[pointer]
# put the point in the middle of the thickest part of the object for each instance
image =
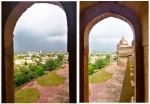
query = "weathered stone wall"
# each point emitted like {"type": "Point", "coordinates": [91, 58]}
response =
{"type": "Point", "coordinates": [140, 8]}
{"type": "Point", "coordinates": [122, 61]}
{"type": "Point", "coordinates": [11, 12]}
{"type": "Point", "coordinates": [146, 72]}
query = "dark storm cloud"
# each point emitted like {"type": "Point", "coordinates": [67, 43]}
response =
{"type": "Point", "coordinates": [24, 43]}
{"type": "Point", "coordinates": [41, 27]}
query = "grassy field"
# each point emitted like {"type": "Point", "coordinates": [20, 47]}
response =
{"type": "Point", "coordinates": [51, 79]}
{"type": "Point", "coordinates": [127, 89]}
{"type": "Point", "coordinates": [29, 95]}
{"type": "Point", "coordinates": [100, 76]}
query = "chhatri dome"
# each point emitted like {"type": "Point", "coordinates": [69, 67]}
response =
{"type": "Point", "coordinates": [123, 43]}
{"type": "Point", "coordinates": [123, 51]}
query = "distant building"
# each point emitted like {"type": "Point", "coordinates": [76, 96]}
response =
{"type": "Point", "coordinates": [44, 59]}
{"type": "Point", "coordinates": [40, 52]}
{"type": "Point", "coordinates": [123, 51]}
{"type": "Point", "coordinates": [19, 62]}
{"type": "Point", "coordinates": [30, 54]}
{"type": "Point", "coordinates": [30, 61]}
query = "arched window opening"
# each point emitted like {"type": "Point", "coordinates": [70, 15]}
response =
{"type": "Point", "coordinates": [114, 9]}
{"type": "Point", "coordinates": [109, 73]}
{"type": "Point", "coordinates": [41, 63]}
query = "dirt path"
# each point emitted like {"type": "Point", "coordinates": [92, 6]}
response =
{"type": "Point", "coordinates": [54, 94]}
{"type": "Point", "coordinates": [110, 90]}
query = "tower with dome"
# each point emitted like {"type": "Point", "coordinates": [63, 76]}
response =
{"type": "Point", "coordinates": [123, 51]}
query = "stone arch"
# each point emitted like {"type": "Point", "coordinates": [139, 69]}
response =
{"type": "Point", "coordinates": [89, 18]}
{"type": "Point", "coordinates": [12, 20]}
{"type": "Point", "coordinates": [11, 13]}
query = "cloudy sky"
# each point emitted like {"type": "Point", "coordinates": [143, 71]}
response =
{"type": "Point", "coordinates": [44, 27]}
{"type": "Point", "coordinates": [106, 34]}
{"type": "Point", "coordinates": [41, 27]}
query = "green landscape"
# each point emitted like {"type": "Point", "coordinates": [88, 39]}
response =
{"type": "Point", "coordinates": [40, 66]}
{"type": "Point", "coordinates": [24, 95]}
{"type": "Point", "coordinates": [25, 72]}
{"type": "Point", "coordinates": [100, 76]}
{"type": "Point", "coordinates": [102, 69]}
{"type": "Point", "coordinates": [101, 61]}
{"type": "Point", "coordinates": [45, 73]}
{"type": "Point", "coordinates": [51, 79]}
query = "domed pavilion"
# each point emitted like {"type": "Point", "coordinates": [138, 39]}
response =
{"type": "Point", "coordinates": [123, 51]}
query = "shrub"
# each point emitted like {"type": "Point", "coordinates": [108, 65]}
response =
{"type": "Point", "coordinates": [99, 64]}
{"type": "Point", "coordinates": [91, 69]}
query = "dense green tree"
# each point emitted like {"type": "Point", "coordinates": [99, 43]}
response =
{"type": "Point", "coordinates": [107, 57]}
{"type": "Point", "coordinates": [32, 67]}
{"type": "Point", "coordinates": [91, 68]}
{"type": "Point", "coordinates": [26, 63]}
{"type": "Point", "coordinates": [24, 69]}
{"type": "Point", "coordinates": [58, 62]}
{"type": "Point", "coordinates": [32, 75]}
{"type": "Point", "coordinates": [21, 75]}
{"type": "Point", "coordinates": [99, 63]}
{"type": "Point", "coordinates": [39, 71]}
{"type": "Point", "coordinates": [27, 72]}
{"type": "Point", "coordinates": [60, 57]}
{"type": "Point", "coordinates": [50, 65]}
{"type": "Point", "coordinates": [16, 70]}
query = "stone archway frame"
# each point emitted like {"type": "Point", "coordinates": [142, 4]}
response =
{"type": "Point", "coordinates": [12, 19]}
{"type": "Point", "coordinates": [8, 52]}
{"type": "Point", "coordinates": [88, 19]}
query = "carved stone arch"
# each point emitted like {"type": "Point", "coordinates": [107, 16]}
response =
{"type": "Point", "coordinates": [88, 19]}
{"type": "Point", "coordinates": [11, 11]}
{"type": "Point", "coordinates": [12, 19]}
